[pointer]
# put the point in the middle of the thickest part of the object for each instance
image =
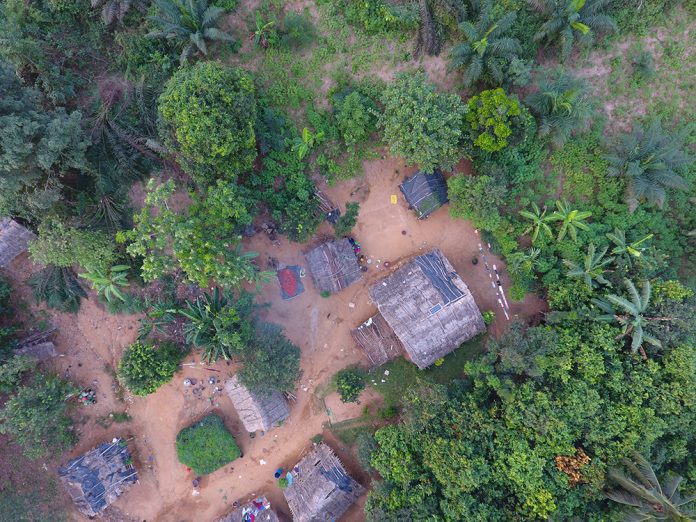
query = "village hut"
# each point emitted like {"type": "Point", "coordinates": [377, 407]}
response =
{"type": "Point", "coordinates": [377, 340]}
{"type": "Point", "coordinates": [321, 490]}
{"type": "Point", "coordinates": [99, 477]}
{"type": "Point", "coordinates": [14, 239]}
{"type": "Point", "coordinates": [334, 265]}
{"type": "Point", "coordinates": [258, 510]}
{"type": "Point", "coordinates": [257, 411]}
{"type": "Point", "coordinates": [424, 192]}
{"type": "Point", "coordinates": [429, 308]}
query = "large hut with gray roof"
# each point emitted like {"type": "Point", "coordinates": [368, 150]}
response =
{"type": "Point", "coordinates": [425, 309]}
{"type": "Point", "coordinates": [14, 240]}
{"type": "Point", "coordinates": [258, 410]}
{"type": "Point", "coordinates": [321, 490]}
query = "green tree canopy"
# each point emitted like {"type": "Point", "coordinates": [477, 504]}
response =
{"type": "Point", "coordinates": [421, 125]}
{"type": "Point", "coordinates": [210, 111]}
{"type": "Point", "coordinates": [490, 118]}
{"type": "Point", "coordinates": [145, 367]}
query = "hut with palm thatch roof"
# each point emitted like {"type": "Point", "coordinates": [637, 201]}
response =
{"type": "Point", "coordinates": [321, 490]}
{"type": "Point", "coordinates": [377, 340]}
{"type": "Point", "coordinates": [99, 477]}
{"type": "Point", "coordinates": [334, 265]}
{"type": "Point", "coordinates": [428, 307]}
{"type": "Point", "coordinates": [258, 411]}
{"type": "Point", "coordinates": [14, 239]}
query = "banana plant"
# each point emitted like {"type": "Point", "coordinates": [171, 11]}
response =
{"type": "Point", "coordinates": [624, 249]}
{"type": "Point", "coordinates": [303, 145]}
{"type": "Point", "coordinates": [592, 268]}
{"type": "Point", "coordinates": [539, 221]}
{"type": "Point", "coordinates": [107, 284]}
{"type": "Point", "coordinates": [263, 30]}
{"type": "Point", "coordinates": [571, 220]}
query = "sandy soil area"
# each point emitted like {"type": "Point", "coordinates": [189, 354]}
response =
{"type": "Point", "coordinates": [91, 342]}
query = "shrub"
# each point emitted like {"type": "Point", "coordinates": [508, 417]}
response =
{"type": "Point", "coordinates": [389, 412]}
{"type": "Point", "coordinates": [488, 317]}
{"type": "Point", "coordinates": [348, 220]}
{"type": "Point", "coordinates": [421, 125]}
{"type": "Point", "coordinates": [365, 447]}
{"type": "Point", "coordinates": [350, 383]}
{"type": "Point", "coordinates": [355, 116]}
{"type": "Point", "coordinates": [144, 368]}
{"type": "Point", "coordinates": [36, 417]}
{"type": "Point", "coordinates": [13, 369]}
{"type": "Point", "coordinates": [210, 112]}
{"type": "Point", "coordinates": [298, 30]}
{"type": "Point", "coordinates": [283, 483]}
{"type": "Point", "coordinates": [476, 198]}
{"type": "Point", "coordinates": [206, 446]}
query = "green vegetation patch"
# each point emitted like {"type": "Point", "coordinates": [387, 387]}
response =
{"type": "Point", "coordinates": [206, 446]}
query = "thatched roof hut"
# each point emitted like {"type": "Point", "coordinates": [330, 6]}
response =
{"type": "Point", "coordinates": [41, 351]}
{"type": "Point", "coordinates": [377, 339]}
{"type": "Point", "coordinates": [258, 510]}
{"type": "Point", "coordinates": [14, 239]}
{"type": "Point", "coordinates": [258, 411]}
{"type": "Point", "coordinates": [334, 265]}
{"type": "Point", "coordinates": [429, 307]}
{"type": "Point", "coordinates": [99, 477]}
{"type": "Point", "coordinates": [321, 490]}
{"type": "Point", "coordinates": [425, 193]}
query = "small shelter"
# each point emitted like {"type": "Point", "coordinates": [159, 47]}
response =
{"type": "Point", "coordinates": [257, 411]}
{"type": "Point", "coordinates": [424, 192]}
{"type": "Point", "coordinates": [99, 477]}
{"type": "Point", "coordinates": [14, 240]}
{"type": "Point", "coordinates": [321, 490]}
{"type": "Point", "coordinates": [334, 265]}
{"type": "Point", "coordinates": [258, 510]}
{"type": "Point", "coordinates": [429, 308]}
{"type": "Point", "coordinates": [377, 340]}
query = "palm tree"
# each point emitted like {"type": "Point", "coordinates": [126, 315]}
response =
{"type": "Point", "coordinates": [192, 23]}
{"type": "Point", "coordinates": [539, 219]}
{"type": "Point", "coordinates": [649, 159]}
{"type": "Point", "coordinates": [623, 248]}
{"type": "Point", "coordinates": [571, 20]}
{"type": "Point", "coordinates": [218, 324]}
{"type": "Point", "coordinates": [487, 52]}
{"type": "Point", "coordinates": [115, 10]}
{"type": "Point", "coordinates": [562, 104]}
{"type": "Point", "coordinates": [644, 497]}
{"type": "Point", "coordinates": [592, 269]}
{"type": "Point", "coordinates": [631, 315]}
{"type": "Point", "coordinates": [571, 220]}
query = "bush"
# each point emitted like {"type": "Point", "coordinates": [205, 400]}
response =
{"type": "Point", "coordinates": [488, 317]}
{"type": "Point", "coordinates": [298, 30]}
{"type": "Point", "coordinates": [356, 117]}
{"type": "Point", "coordinates": [421, 125]}
{"type": "Point", "coordinates": [347, 221]}
{"type": "Point", "coordinates": [13, 369]}
{"type": "Point", "coordinates": [210, 112]}
{"type": "Point", "coordinates": [490, 118]}
{"type": "Point", "coordinates": [144, 368]}
{"type": "Point", "coordinates": [349, 384]}
{"type": "Point", "coordinates": [366, 445]}
{"type": "Point", "coordinates": [283, 483]}
{"type": "Point", "coordinates": [206, 446]}
{"type": "Point", "coordinates": [37, 416]}
{"type": "Point", "coordinates": [476, 198]}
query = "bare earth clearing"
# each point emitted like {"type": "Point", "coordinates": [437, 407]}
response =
{"type": "Point", "coordinates": [92, 341]}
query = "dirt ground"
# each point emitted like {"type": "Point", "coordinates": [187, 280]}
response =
{"type": "Point", "coordinates": [91, 342]}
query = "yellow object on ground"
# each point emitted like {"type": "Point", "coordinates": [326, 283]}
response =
{"type": "Point", "coordinates": [393, 199]}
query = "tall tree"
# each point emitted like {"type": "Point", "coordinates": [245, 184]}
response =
{"type": "Point", "coordinates": [649, 159]}
{"type": "Point", "coordinates": [562, 104]}
{"type": "Point", "coordinates": [644, 498]}
{"type": "Point", "coordinates": [192, 23]}
{"type": "Point", "coordinates": [487, 52]}
{"type": "Point", "coordinates": [568, 21]}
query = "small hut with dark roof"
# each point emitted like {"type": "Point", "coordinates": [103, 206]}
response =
{"type": "Point", "coordinates": [428, 307]}
{"type": "Point", "coordinates": [257, 411]}
{"type": "Point", "coordinates": [424, 192]}
{"type": "Point", "coordinates": [99, 477]}
{"type": "Point", "coordinates": [321, 490]}
{"type": "Point", "coordinates": [14, 240]}
{"type": "Point", "coordinates": [258, 510]}
{"type": "Point", "coordinates": [377, 340]}
{"type": "Point", "coordinates": [334, 265]}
